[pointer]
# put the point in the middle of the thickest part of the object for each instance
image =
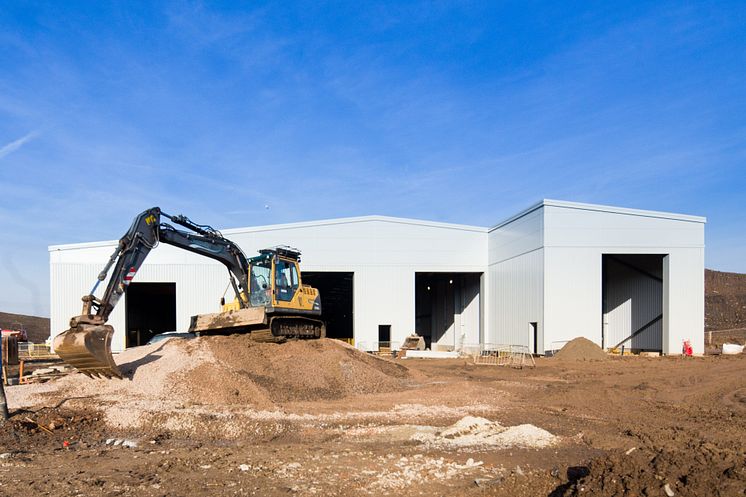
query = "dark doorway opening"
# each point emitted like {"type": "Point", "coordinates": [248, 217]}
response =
{"type": "Point", "coordinates": [632, 302]}
{"type": "Point", "coordinates": [336, 290]}
{"type": "Point", "coordinates": [384, 333]}
{"type": "Point", "coordinates": [150, 309]}
{"type": "Point", "coordinates": [448, 309]}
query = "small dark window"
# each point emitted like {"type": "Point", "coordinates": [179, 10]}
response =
{"type": "Point", "coordinates": [384, 332]}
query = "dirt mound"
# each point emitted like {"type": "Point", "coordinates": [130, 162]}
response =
{"type": "Point", "coordinates": [725, 300]}
{"type": "Point", "coordinates": [299, 370]}
{"type": "Point", "coordinates": [234, 370]}
{"type": "Point", "coordinates": [581, 349]}
{"type": "Point", "coordinates": [701, 469]}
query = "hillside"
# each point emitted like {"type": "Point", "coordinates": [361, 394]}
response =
{"type": "Point", "coordinates": [36, 327]}
{"type": "Point", "coordinates": [725, 300]}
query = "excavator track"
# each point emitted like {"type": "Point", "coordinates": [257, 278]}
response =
{"type": "Point", "coordinates": [297, 327]}
{"type": "Point", "coordinates": [266, 336]}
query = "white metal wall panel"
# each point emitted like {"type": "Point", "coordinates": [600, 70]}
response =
{"type": "Point", "coordinates": [516, 294]}
{"type": "Point", "coordinates": [69, 282]}
{"type": "Point", "coordinates": [374, 242]}
{"type": "Point", "coordinates": [572, 294]}
{"type": "Point", "coordinates": [573, 227]}
{"type": "Point", "coordinates": [514, 282]}
{"type": "Point", "coordinates": [576, 238]}
{"type": "Point", "coordinates": [383, 296]}
{"type": "Point", "coordinates": [517, 237]}
{"type": "Point", "coordinates": [683, 300]}
{"type": "Point", "coordinates": [632, 300]}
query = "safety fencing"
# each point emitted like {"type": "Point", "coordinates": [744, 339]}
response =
{"type": "Point", "coordinates": [515, 356]}
{"type": "Point", "coordinates": [491, 354]}
{"type": "Point", "coordinates": [30, 351]}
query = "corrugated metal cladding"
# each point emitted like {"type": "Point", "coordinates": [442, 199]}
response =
{"type": "Point", "coordinates": [516, 285]}
{"type": "Point", "coordinates": [543, 266]}
{"type": "Point", "coordinates": [633, 297]}
{"type": "Point", "coordinates": [516, 281]}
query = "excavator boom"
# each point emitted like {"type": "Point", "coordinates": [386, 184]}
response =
{"type": "Point", "coordinates": [86, 345]}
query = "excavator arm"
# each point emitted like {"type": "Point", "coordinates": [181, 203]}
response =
{"type": "Point", "coordinates": [87, 344]}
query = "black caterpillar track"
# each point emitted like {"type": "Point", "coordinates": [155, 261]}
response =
{"type": "Point", "coordinates": [297, 327]}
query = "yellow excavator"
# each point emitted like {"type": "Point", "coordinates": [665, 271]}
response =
{"type": "Point", "coordinates": [271, 301]}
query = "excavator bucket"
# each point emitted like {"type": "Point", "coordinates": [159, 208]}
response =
{"type": "Point", "coordinates": [87, 347]}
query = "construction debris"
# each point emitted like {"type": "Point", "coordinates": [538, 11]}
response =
{"type": "Point", "coordinates": [413, 342]}
{"type": "Point", "coordinates": [732, 349]}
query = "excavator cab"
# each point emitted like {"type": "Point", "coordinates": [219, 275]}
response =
{"type": "Point", "coordinates": [275, 283]}
{"type": "Point", "coordinates": [288, 292]}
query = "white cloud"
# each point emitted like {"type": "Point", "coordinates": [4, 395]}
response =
{"type": "Point", "coordinates": [11, 147]}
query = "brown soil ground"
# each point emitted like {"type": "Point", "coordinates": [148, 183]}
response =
{"type": "Point", "coordinates": [625, 426]}
{"type": "Point", "coordinates": [37, 328]}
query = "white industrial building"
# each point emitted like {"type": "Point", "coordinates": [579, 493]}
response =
{"type": "Point", "coordinates": [555, 271]}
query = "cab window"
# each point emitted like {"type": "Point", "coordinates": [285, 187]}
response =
{"type": "Point", "coordinates": [286, 280]}
{"type": "Point", "coordinates": [259, 282]}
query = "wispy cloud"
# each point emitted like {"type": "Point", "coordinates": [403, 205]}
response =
{"type": "Point", "coordinates": [11, 147]}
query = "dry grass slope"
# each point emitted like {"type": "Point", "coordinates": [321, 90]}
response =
{"type": "Point", "coordinates": [36, 327]}
{"type": "Point", "coordinates": [725, 300]}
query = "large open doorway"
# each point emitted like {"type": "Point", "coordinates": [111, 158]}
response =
{"type": "Point", "coordinates": [632, 313]}
{"type": "Point", "coordinates": [150, 310]}
{"type": "Point", "coordinates": [448, 309]}
{"type": "Point", "coordinates": [336, 290]}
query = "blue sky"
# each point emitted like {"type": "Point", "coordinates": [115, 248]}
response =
{"type": "Point", "coordinates": [461, 112]}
